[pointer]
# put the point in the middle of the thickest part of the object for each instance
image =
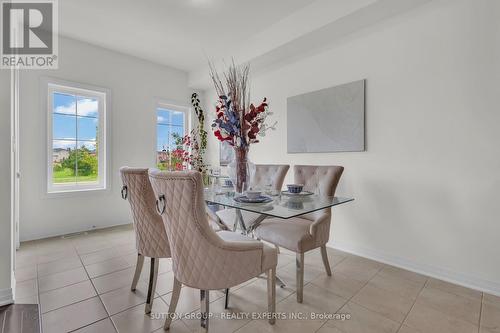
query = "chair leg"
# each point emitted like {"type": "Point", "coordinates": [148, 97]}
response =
{"type": "Point", "coordinates": [153, 275]}
{"type": "Point", "coordinates": [173, 303]}
{"type": "Point", "coordinates": [271, 295]}
{"type": "Point", "coordinates": [138, 270]}
{"type": "Point", "coordinates": [300, 277]}
{"type": "Point", "coordinates": [205, 308]}
{"type": "Point", "coordinates": [324, 255]}
{"type": "Point", "coordinates": [226, 303]}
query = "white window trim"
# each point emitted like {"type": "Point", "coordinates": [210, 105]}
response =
{"type": "Point", "coordinates": [174, 106]}
{"type": "Point", "coordinates": [49, 85]}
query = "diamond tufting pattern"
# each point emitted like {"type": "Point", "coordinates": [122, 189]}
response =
{"type": "Point", "coordinates": [151, 239]}
{"type": "Point", "coordinates": [201, 259]}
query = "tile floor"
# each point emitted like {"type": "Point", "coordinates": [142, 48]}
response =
{"type": "Point", "coordinates": [82, 284]}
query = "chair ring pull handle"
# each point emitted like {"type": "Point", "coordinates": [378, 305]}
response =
{"type": "Point", "coordinates": [161, 199]}
{"type": "Point", "coordinates": [124, 192]}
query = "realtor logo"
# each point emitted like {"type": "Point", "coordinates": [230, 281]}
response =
{"type": "Point", "coordinates": [29, 34]}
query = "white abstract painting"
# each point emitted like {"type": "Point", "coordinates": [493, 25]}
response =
{"type": "Point", "coordinates": [327, 120]}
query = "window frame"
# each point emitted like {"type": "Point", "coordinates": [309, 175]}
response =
{"type": "Point", "coordinates": [171, 106]}
{"type": "Point", "coordinates": [103, 96]}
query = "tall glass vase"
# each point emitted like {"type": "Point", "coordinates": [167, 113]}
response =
{"type": "Point", "coordinates": [241, 170]}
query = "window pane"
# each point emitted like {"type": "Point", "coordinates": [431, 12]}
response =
{"type": "Point", "coordinates": [87, 128]}
{"type": "Point", "coordinates": [87, 162]}
{"type": "Point", "coordinates": [88, 107]}
{"type": "Point", "coordinates": [162, 116]}
{"type": "Point", "coordinates": [64, 103]}
{"type": "Point", "coordinates": [63, 127]}
{"type": "Point", "coordinates": [63, 161]}
{"type": "Point", "coordinates": [176, 132]}
{"type": "Point", "coordinates": [177, 118]}
{"type": "Point", "coordinates": [164, 138]}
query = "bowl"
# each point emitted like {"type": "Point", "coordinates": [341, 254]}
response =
{"type": "Point", "coordinates": [253, 194]}
{"type": "Point", "coordinates": [295, 188]}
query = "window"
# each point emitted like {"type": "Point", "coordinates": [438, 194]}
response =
{"type": "Point", "coordinates": [170, 128]}
{"type": "Point", "coordinates": [76, 139]}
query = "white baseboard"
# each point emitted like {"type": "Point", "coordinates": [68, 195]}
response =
{"type": "Point", "coordinates": [429, 270]}
{"type": "Point", "coordinates": [6, 297]}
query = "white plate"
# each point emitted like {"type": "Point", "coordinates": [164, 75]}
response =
{"type": "Point", "coordinates": [301, 194]}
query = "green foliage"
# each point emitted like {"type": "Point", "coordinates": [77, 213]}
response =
{"type": "Point", "coordinates": [84, 159]}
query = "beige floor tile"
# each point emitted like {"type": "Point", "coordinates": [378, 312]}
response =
{"type": "Point", "coordinates": [288, 274]}
{"type": "Point", "coordinates": [223, 321]}
{"type": "Point", "coordinates": [316, 299]}
{"type": "Point", "coordinates": [33, 299]}
{"type": "Point", "coordinates": [397, 272]}
{"type": "Point", "coordinates": [54, 256]}
{"type": "Point", "coordinates": [62, 279]}
{"type": "Point", "coordinates": [363, 320]}
{"type": "Point", "coordinates": [58, 266]}
{"type": "Point", "coordinates": [99, 256]}
{"type": "Point", "coordinates": [26, 273]}
{"type": "Point", "coordinates": [491, 299]}
{"type": "Point", "coordinates": [429, 320]}
{"type": "Point", "coordinates": [490, 318]}
{"type": "Point", "coordinates": [24, 259]}
{"type": "Point", "coordinates": [74, 316]}
{"type": "Point", "coordinates": [285, 259]}
{"type": "Point", "coordinates": [253, 296]}
{"type": "Point", "coordinates": [106, 267]}
{"type": "Point", "coordinates": [403, 287]}
{"type": "Point", "coordinates": [408, 329]}
{"type": "Point", "coordinates": [58, 298]}
{"type": "Point", "coordinates": [314, 258]}
{"type": "Point", "coordinates": [359, 269]}
{"type": "Point", "coordinates": [451, 304]}
{"type": "Point", "coordinates": [89, 246]}
{"type": "Point", "coordinates": [135, 320]}
{"type": "Point", "coordinates": [177, 326]}
{"type": "Point", "coordinates": [115, 280]}
{"type": "Point", "coordinates": [26, 288]}
{"type": "Point", "coordinates": [165, 283]}
{"type": "Point", "coordinates": [128, 247]}
{"type": "Point", "coordinates": [328, 329]}
{"type": "Point", "coordinates": [282, 326]}
{"type": "Point", "coordinates": [122, 299]}
{"type": "Point", "coordinates": [338, 284]}
{"type": "Point", "coordinates": [103, 326]}
{"type": "Point", "coordinates": [189, 299]}
{"type": "Point", "coordinates": [454, 289]}
{"type": "Point", "coordinates": [388, 304]}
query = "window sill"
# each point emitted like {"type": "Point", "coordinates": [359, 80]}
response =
{"type": "Point", "coordinates": [75, 192]}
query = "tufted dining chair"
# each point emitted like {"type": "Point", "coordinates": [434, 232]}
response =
{"type": "Point", "coordinates": [310, 231]}
{"type": "Point", "coordinates": [265, 175]}
{"type": "Point", "coordinates": [202, 258]}
{"type": "Point", "coordinates": [151, 239]}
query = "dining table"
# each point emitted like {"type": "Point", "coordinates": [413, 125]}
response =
{"type": "Point", "coordinates": [282, 205]}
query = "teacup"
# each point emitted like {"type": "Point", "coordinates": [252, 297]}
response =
{"type": "Point", "coordinates": [253, 194]}
{"type": "Point", "coordinates": [295, 188]}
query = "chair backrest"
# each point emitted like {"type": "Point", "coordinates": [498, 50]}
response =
{"type": "Point", "coordinates": [322, 180]}
{"type": "Point", "coordinates": [151, 238]}
{"type": "Point", "coordinates": [200, 258]}
{"type": "Point", "coordinates": [269, 174]}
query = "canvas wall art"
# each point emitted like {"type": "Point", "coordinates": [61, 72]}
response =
{"type": "Point", "coordinates": [327, 120]}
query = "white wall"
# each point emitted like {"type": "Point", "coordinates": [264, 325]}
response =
{"type": "Point", "coordinates": [6, 247]}
{"type": "Point", "coordinates": [427, 188]}
{"type": "Point", "coordinates": [134, 85]}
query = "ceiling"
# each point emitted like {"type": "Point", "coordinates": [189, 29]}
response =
{"type": "Point", "coordinates": [177, 33]}
{"type": "Point", "coordinates": [184, 34]}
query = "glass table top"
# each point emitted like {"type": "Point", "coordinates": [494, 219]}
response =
{"type": "Point", "coordinates": [282, 206]}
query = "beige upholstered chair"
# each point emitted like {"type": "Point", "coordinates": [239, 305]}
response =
{"type": "Point", "coordinates": [151, 239]}
{"type": "Point", "coordinates": [307, 232]}
{"type": "Point", "coordinates": [265, 175]}
{"type": "Point", "coordinates": [202, 258]}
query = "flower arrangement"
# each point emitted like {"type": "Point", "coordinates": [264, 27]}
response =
{"type": "Point", "coordinates": [237, 121]}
